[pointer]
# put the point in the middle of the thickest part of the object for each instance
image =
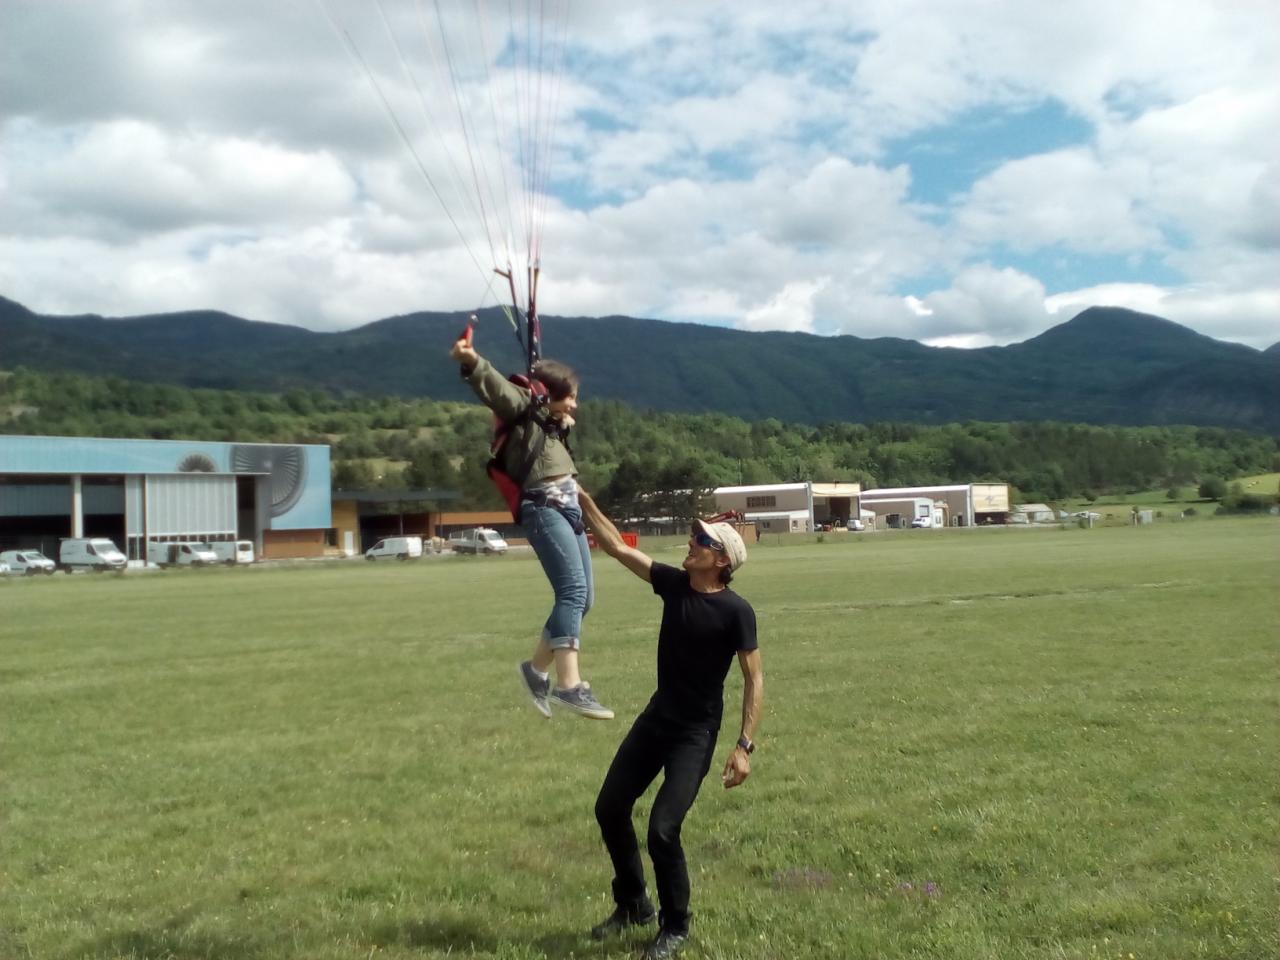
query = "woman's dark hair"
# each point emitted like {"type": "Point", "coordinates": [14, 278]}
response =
{"type": "Point", "coordinates": [559, 378]}
{"type": "Point", "coordinates": [725, 576]}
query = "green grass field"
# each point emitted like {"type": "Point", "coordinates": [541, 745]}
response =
{"type": "Point", "coordinates": [1118, 506]}
{"type": "Point", "coordinates": [1260, 483]}
{"type": "Point", "coordinates": [977, 744]}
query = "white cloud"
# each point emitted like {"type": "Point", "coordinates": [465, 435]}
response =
{"type": "Point", "coordinates": [1143, 297]}
{"type": "Point", "coordinates": [790, 309]}
{"type": "Point", "coordinates": [1060, 199]}
{"type": "Point", "coordinates": [1001, 303]}
{"type": "Point", "coordinates": [719, 161]}
{"type": "Point", "coordinates": [124, 178]}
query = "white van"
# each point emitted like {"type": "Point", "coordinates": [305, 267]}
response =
{"type": "Point", "coordinates": [90, 553]}
{"type": "Point", "coordinates": [27, 562]}
{"type": "Point", "coordinates": [477, 540]}
{"type": "Point", "coordinates": [398, 548]}
{"type": "Point", "coordinates": [233, 551]}
{"type": "Point", "coordinates": [187, 553]}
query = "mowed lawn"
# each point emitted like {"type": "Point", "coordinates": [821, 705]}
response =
{"type": "Point", "coordinates": [976, 744]}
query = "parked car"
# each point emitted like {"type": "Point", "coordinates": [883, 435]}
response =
{"type": "Point", "coordinates": [233, 551]}
{"type": "Point", "coordinates": [27, 562]}
{"type": "Point", "coordinates": [397, 548]}
{"type": "Point", "coordinates": [856, 525]}
{"type": "Point", "coordinates": [477, 540]}
{"type": "Point", "coordinates": [90, 553]}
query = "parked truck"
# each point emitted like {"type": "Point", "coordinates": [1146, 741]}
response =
{"type": "Point", "coordinates": [395, 548]}
{"type": "Point", "coordinates": [187, 553]}
{"type": "Point", "coordinates": [477, 540]}
{"type": "Point", "coordinates": [27, 562]}
{"type": "Point", "coordinates": [233, 551]}
{"type": "Point", "coordinates": [90, 553]}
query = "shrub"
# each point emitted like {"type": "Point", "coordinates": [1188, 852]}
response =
{"type": "Point", "coordinates": [1213, 488]}
{"type": "Point", "coordinates": [1237, 502]}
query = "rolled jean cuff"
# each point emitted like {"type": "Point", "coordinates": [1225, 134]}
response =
{"type": "Point", "coordinates": [563, 643]}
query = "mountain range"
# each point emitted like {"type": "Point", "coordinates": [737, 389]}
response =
{"type": "Point", "coordinates": [1105, 365]}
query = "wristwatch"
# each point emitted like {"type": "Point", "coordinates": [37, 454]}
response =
{"type": "Point", "coordinates": [746, 745]}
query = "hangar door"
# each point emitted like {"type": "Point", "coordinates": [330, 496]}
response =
{"type": "Point", "coordinates": [37, 512]}
{"type": "Point", "coordinates": [193, 506]}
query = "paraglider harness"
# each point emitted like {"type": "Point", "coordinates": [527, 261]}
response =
{"type": "Point", "coordinates": [511, 486]}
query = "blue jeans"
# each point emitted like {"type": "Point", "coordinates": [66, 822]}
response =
{"type": "Point", "coordinates": [566, 560]}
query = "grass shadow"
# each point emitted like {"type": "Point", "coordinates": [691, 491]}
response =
{"type": "Point", "coordinates": [446, 934]}
{"type": "Point", "coordinates": [469, 936]}
{"type": "Point", "coordinates": [176, 943]}
{"type": "Point", "coordinates": [576, 943]}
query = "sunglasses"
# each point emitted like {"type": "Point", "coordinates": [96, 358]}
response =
{"type": "Point", "coordinates": [704, 540]}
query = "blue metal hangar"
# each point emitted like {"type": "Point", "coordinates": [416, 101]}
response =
{"type": "Point", "coordinates": [133, 491]}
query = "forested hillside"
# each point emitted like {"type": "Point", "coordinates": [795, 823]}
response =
{"type": "Point", "coordinates": [623, 452]}
{"type": "Point", "coordinates": [1104, 366]}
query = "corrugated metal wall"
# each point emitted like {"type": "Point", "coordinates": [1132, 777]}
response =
{"type": "Point", "coordinates": [195, 505]}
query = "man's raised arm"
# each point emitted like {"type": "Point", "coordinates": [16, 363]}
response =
{"type": "Point", "coordinates": [610, 540]}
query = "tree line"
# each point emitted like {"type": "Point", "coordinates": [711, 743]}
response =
{"type": "Point", "coordinates": [631, 458]}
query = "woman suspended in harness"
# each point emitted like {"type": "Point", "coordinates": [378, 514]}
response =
{"type": "Point", "coordinates": [533, 466]}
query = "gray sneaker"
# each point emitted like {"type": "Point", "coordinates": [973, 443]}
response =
{"type": "Point", "coordinates": [537, 687]}
{"type": "Point", "coordinates": [581, 700]}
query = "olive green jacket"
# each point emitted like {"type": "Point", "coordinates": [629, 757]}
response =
{"type": "Point", "coordinates": [508, 401]}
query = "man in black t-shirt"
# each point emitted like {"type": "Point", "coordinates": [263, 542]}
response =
{"type": "Point", "coordinates": [704, 626]}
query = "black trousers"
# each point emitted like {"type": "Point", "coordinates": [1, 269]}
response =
{"type": "Point", "coordinates": [684, 755]}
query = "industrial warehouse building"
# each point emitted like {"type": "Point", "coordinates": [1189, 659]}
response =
{"type": "Point", "coordinates": [363, 517]}
{"type": "Point", "coordinates": [790, 507]}
{"type": "Point", "coordinates": [952, 505]}
{"type": "Point", "coordinates": [798, 507]}
{"type": "Point", "coordinates": [135, 491]}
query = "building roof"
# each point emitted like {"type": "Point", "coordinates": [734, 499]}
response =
{"type": "Point", "coordinates": [915, 491]}
{"type": "Point", "coordinates": [394, 496]}
{"type": "Point", "coordinates": [114, 456]}
{"type": "Point", "coordinates": [1033, 508]}
{"type": "Point", "coordinates": [837, 489]}
{"type": "Point", "coordinates": [762, 488]}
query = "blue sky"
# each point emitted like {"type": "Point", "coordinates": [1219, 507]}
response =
{"type": "Point", "coordinates": [945, 160]}
{"type": "Point", "coordinates": [961, 173]}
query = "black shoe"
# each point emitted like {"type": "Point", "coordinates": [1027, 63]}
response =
{"type": "Point", "coordinates": [624, 917]}
{"type": "Point", "coordinates": [666, 944]}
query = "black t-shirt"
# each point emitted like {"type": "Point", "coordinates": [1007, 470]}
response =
{"type": "Point", "coordinates": [701, 633]}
